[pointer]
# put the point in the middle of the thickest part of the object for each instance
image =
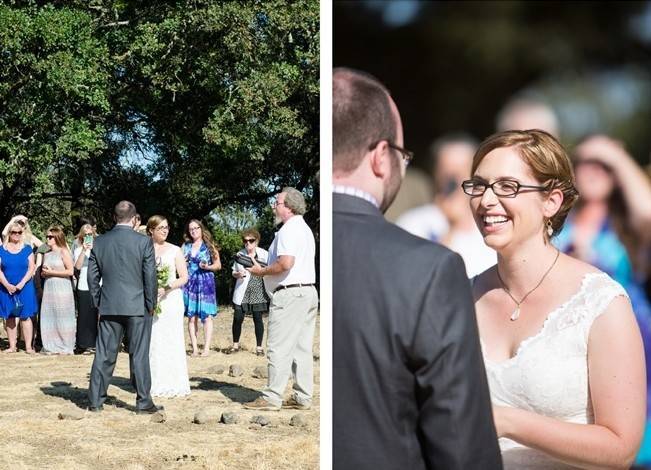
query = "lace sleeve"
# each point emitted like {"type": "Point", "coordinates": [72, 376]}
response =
{"type": "Point", "coordinates": [599, 295]}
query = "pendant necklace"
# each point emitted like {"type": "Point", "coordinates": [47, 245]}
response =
{"type": "Point", "coordinates": [516, 313]}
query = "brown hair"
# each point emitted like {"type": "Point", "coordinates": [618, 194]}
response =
{"type": "Point", "coordinates": [59, 236]}
{"type": "Point", "coordinates": [545, 157]}
{"type": "Point", "coordinates": [205, 235]}
{"type": "Point", "coordinates": [153, 222]}
{"type": "Point", "coordinates": [251, 232]}
{"type": "Point", "coordinates": [361, 116]}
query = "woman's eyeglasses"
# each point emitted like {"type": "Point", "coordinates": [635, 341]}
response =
{"type": "Point", "coordinates": [49, 237]}
{"type": "Point", "coordinates": [250, 240]}
{"type": "Point", "coordinates": [162, 228]}
{"type": "Point", "coordinates": [503, 188]}
{"type": "Point", "coordinates": [13, 232]}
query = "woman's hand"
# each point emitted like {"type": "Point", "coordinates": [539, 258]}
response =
{"type": "Point", "coordinates": [11, 289]}
{"type": "Point", "coordinates": [239, 274]}
{"type": "Point", "coordinates": [46, 271]}
{"type": "Point", "coordinates": [501, 416]}
{"type": "Point", "coordinates": [161, 292]}
{"type": "Point", "coordinates": [203, 265]}
{"type": "Point", "coordinates": [20, 285]}
{"type": "Point", "coordinates": [87, 246]}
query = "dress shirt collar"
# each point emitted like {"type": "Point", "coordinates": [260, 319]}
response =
{"type": "Point", "coordinates": [352, 191]}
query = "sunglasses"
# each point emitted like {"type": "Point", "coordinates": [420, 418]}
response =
{"type": "Point", "coordinates": [250, 240]}
{"type": "Point", "coordinates": [49, 237]}
{"type": "Point", "coordinates": [13, 232]}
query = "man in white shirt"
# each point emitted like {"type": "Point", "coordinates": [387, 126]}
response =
{"type": "Point", "coordinates": [289, 278]}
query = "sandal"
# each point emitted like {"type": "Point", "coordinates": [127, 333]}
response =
{"type": "Point", "coordinates": [259, 352]}
{"type": "Point", "coordinates": [231, 350]}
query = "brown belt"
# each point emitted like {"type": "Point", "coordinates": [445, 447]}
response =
{"type": "Point", "coordinates": [289, 286]}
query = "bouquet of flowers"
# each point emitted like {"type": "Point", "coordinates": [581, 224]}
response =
{"type": "Point", "coordinates": [162, 278]}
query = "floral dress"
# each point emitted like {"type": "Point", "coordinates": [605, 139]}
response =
{"type": "Point", "coordinates": [200, 293]}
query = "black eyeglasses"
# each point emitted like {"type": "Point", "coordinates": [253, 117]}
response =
{"type": "Point", "coordinates": [407, 155]}
{"type": "Point", "coordinates": [49, 237]}
{"type": "Point", "coordinates": [503, 188]}
{"type": "Point", "coordinates": [250, 240]}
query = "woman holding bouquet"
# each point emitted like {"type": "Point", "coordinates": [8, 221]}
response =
{"type": "Point", "coordinates": [169, 369]}
{"type": "Point", "coordinates": [200, 293]}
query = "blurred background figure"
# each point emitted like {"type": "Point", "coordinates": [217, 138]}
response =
{"type": "Point", "coordinates": [416, 190]}
{"type": "Point", "coordinates": [58, 320]}
{"type": "Point", "coordinates": [249, 295]}
{"type": "Point", "coordinates": [87, 315]}
{"type": "Point", "coordinates": [448, 219]}
{"type": "Point", "coordinates": [17, 295]}
{"type": "Point", "coordinates": [200, 293]}
{"type": "Point", "coordinates": [523, 113]}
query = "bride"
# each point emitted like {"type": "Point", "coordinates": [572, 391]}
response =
{"type": "Point", "coordinates": [167, 358]}
{"type": "Point", "coordinates": [562, 348]}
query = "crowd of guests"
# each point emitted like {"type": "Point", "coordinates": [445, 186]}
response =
{"type": "Point", "coordinates": [44, 292]}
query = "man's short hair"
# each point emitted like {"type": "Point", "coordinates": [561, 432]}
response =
{"type": "Point", "coordinates": [294, 200]}
{"type": "Point", "coordinates": [124, 212]}
{"type": "Point", "coordinates": [361, 116]}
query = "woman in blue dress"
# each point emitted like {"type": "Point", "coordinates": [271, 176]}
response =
{"type": "Point", "coordinates": [608, 228]}
{"type": "Point", "coordinates": [200, 293]}
{"type": "Point", "coordinates": [17, 294]}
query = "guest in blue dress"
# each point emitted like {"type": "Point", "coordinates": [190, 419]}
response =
{"type": "Point", "coordinates": [200, 293]}
{"type": "Point", "coordinates": [607, 229]}
{"type": "Point", "coordinates": [17, 294]}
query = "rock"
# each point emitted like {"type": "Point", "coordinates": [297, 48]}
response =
{"type": "Point", "coordinates": [218, 370]}
{"type": "Point", "coordinates": [261, 420]}
{"type": "Point", "coordinates": [71, 414]}
{"type": "Point", "coordinates": [158, 417]}
{"type": "Point", "coordinates": [260, 372]}
{"type": "Point", "coordinates": [203, 416]}
{"type": "Point", "coordinates": [298, 421]}
{"type": "Point", "coordinates": [230, 418]}
{"type": "Point", "coordinates": [235, 371]}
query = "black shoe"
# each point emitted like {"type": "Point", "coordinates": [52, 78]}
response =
{"type": "Point", "coordinates": [95, 409]}
{"type": "Point", "coordinates": [150, 411]}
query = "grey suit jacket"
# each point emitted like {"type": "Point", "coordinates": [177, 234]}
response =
{"type": "Point", "coordinates": [125, 262]}
{"type": "Point", "coordinates": [409, 384]}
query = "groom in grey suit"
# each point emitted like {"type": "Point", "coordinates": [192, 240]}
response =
{"type": "Point", "coordinates": [409, 385]}
{"type": "Point", "coordinates": [124, 261]}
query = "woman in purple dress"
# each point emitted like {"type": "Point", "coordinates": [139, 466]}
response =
{"type": "Point", "coordinates": [17, 294]}
{"type": "Point", "coordinates": [200, 293]}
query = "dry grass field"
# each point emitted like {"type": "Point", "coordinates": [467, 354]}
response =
{"type": "Point", "coordinates": [35, 389]}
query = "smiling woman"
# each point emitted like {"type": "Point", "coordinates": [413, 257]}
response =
{"type": "Point", "coordinates": [563, 352]}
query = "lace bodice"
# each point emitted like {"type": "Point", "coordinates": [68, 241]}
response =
{"type": "Point", "coordinates": [168, 259]}
{"type": "Point", "coordinates": [548, 374]}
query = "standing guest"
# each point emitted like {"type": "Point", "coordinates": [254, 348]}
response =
{"type": "Point", "coordinates": [58, 322]}
{"type": "Point", "coordinates": [87, 314]}
{"type": "Point", "coordinates": [249, 295]}
{"type": "Point", "coordinates": [29, 237]}
{"type": "Point", "coordinates": [407, 367]}
{"type": "Point", "coordinates": [563, 352]}
{"type": "Point", "coordinates": [17, 294]}
{"type": "Point", "coordinates": [167, 360]}
{"type": "Point", "coordinates": [290, 277]}
{"type": "Point", "coordinates": [200, 293]}
{"type": "Point", "coordinates": [125, 263]}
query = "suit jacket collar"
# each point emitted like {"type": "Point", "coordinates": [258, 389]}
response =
{"type": "Point", "coordinates": [353, 205]}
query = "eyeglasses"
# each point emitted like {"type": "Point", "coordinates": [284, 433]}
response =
{"type": "Point", "coordinates": [276, 203]}
{"type": "Point", "coordinates": [503, 188]}
{"type": "Point", "coordinates": [13, 232]}
{"type": "Point", "coordinates": [194, 229]}
{"type": "Point", "coordinates": [162, 228]}
{"type": "Point", "coordinates": [407, 155]}
{"type": "Point", "coordinates": [250, 240]}
{"type": "Point", "coordinates": [49, 237]}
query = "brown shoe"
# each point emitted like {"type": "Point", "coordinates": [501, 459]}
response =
{"type": "Point", "coordinates": [293, 404]}
{"type": "Point", "coordinates": [261, 404]}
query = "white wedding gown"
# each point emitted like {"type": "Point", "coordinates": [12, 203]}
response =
{"type": "Point", "coordinates": [549, 372]}
{"type": "Point", "coordinates": [167, 358]}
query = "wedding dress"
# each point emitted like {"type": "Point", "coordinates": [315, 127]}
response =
{"type": "Point", "coordinates": [167, 358]}
{"type": "Point", "coordinates": [548, 375]}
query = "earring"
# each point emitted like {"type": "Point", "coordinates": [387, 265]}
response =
{"type": "Point", "coordinates": [550, 229]}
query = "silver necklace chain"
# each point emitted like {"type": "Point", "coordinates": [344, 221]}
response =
{"type": "Point", "coordinates": [516, 313]}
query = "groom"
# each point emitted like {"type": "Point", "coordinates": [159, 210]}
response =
{"type": "Point", "coordinates": [124, 261]}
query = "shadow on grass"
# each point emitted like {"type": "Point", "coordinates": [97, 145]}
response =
{"type": "Point", "coordinates": [79, 396]}
{"type": "Point", "coordinates": [233, 392]}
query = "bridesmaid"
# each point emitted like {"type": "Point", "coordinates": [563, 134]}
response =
{"type": "Point", "coordinates": [17, 294]}
{"type": "Point", "coordinates": [200, 294]}
{"type": "Point", "coordinates": [58, 322]}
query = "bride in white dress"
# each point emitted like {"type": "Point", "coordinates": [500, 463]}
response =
{"type": "Point", "coordinates": [167, 357]}
{"type": "Point", "coordinates": [562, 349]}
